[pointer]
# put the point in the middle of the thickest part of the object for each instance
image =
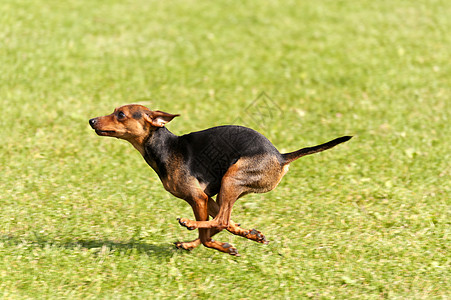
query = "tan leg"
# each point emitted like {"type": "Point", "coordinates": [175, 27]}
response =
{"type": "Point", "coordinates": [221, 221]}
{"type": "Point", "coordinates": [230, 191]}
{"type": "Point", "coordinates": [235, 228]}
{"type": "Point", "coordinates": [200, 208]}
{"type": "Point", "coordinates": [188, 245]}
{"type": "Point", "coordinates": [213, 209]}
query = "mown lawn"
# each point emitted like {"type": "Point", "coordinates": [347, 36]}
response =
{"type": "Point", "coordinates": [83, 217]}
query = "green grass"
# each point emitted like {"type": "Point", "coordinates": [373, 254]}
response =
{"type": "Point", "coordinates": [84, 217]}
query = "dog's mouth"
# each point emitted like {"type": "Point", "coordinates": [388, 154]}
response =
{"type": "Point", "coordinates": [105, 132]}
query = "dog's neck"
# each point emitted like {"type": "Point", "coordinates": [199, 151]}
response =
{"type": "Point", "coordinates": [157, 149]}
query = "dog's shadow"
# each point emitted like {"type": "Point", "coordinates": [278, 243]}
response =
{"type": "Point", "coordinates": [130, 247]}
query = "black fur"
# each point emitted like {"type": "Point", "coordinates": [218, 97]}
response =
{"type": "Point", "coordinates": [209, 153]}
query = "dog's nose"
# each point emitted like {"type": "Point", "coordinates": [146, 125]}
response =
{"type": "Point", "coordinates": [93, 122]}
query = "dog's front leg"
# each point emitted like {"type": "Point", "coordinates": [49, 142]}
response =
{"type": "Point", "coordinates": [200, 209]}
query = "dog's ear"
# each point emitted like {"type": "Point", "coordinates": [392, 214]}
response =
{"type": "Point", "coordinates": [158, 118]}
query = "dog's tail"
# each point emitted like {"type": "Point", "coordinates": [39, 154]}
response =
{"type": "Point", "coordinates": [289, 157]}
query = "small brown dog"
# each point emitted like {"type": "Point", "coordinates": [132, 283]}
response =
{"type": "Point", "coordinates": [230, 161]}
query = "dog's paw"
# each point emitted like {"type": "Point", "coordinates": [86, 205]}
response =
{"type": "Point", "coordinates": [182, 245]}
{"type": "Point", "coordinates": [179, 245]}
{"type": "Point", "coordinates": [185, 223]}
{"type": "Point", "coordinates": [230, 249]}
{"type": "Point", "coordinates": [187, 245]}
{"type": "Point", "coordinates": [257, 236]}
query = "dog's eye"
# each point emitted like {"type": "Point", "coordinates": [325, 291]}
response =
{"type": "Point", "coordinates": [121, 115]}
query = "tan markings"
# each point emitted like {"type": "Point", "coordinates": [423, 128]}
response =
{"type": "Point", "coordinates": [284, 171]}
{"type": "Point", "coordinates": [123, 124]}
{"type": "Point", "coordinates": [260, 174]}
{"type": "Point", "coordinates": [188, 245]}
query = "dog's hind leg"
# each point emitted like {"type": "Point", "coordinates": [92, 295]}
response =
{"type": "Point", "coordinates": [252, 234]}
{"type": "Point", "coordinates": [200, 209]}
{"type": "Point", "coordinates": [213, 210]}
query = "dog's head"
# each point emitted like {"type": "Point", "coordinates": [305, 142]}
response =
{"type": "Point", "coordinates": [132, 122]}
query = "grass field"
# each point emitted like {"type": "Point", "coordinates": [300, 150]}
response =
{"type": "Point", "coordinates": [83, 217]}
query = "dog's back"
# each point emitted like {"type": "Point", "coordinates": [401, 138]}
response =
{"type": "Point", "coordinates": [209, 153]}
